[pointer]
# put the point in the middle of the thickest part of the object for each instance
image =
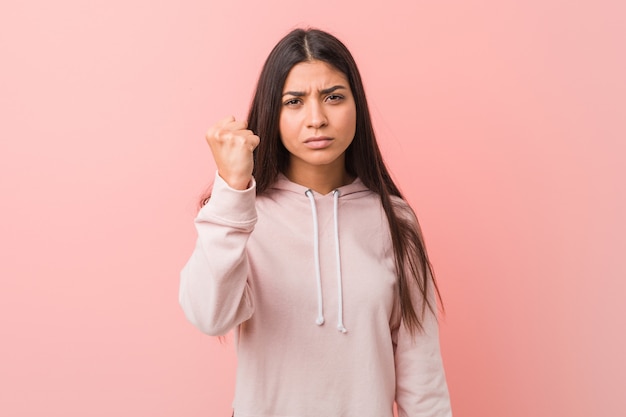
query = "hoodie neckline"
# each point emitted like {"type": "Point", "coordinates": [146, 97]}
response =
{"type": "Point", "coordinates": [345, 191]}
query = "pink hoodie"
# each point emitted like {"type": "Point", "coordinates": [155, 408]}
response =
{"type": "Point", "coordinates": [308, 282]}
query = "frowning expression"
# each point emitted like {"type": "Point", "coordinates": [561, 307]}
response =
{"type": "Point", "coordinates": [318, 116]}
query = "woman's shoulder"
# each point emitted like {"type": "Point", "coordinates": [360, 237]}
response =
{"type": "Point", "coordinates": [402, 207]}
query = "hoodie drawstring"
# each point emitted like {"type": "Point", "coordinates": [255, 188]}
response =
{"type": "Point", "coordinates": [316, 248]}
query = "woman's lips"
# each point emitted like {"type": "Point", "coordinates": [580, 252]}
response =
{"type": "Point", "coordinates": [318, 142]}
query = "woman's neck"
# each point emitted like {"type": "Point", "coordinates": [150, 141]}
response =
{"type": "Point", "coordinates": [321, 179]}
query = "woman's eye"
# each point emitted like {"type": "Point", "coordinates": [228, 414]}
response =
{"type": "Point", "coordinates": [292, 102]}
{"type": "Point", "coordinates": [334, 97]}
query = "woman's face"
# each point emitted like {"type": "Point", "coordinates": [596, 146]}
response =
{"type": "Point", "coordinates": [317, 117]}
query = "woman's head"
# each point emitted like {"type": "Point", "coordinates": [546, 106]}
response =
{"type": "Point", "coordinates": [300, 45]}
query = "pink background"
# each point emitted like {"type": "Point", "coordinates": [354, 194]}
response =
{"type": "Point", "coordinates": [504, 123]}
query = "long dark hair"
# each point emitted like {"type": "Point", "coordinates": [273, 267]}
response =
{"type": "Point", "coordinates": [363, 157]}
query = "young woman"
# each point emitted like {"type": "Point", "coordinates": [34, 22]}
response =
{"type": "Point", "coordinates": [308, 250]}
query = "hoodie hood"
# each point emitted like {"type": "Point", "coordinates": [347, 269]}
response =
{"type": "Point", "coordinates": [351, 190]}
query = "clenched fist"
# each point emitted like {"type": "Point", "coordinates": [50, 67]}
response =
{"type": "Point", "coordinates": [232, 145]}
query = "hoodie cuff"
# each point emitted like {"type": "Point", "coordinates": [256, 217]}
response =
{"type": "Point", "coordinates": [230, 205]}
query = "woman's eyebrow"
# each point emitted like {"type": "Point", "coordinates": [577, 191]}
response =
{"type": "Point", "coordinates": [324, 91]}
{"type": "Point", "coordinates": [331, 89]}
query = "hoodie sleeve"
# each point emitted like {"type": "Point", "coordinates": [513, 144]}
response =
{"type": "Point", "coordinates": [421, 388]}
{"type": "Point", "coordinates": [214, 290]}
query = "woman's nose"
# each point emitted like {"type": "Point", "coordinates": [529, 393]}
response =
{"type": "Point", "coordinates": [317, 117]}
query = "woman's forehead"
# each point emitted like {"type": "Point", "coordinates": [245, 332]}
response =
{"type": "Point", "coordinates": [313, 75]}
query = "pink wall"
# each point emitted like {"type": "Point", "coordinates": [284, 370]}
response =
{"type": "Point", "coordinates": [505, 125]}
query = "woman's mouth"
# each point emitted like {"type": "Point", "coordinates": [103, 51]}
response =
{"type": "Point", "coordinates": [318, 142]}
